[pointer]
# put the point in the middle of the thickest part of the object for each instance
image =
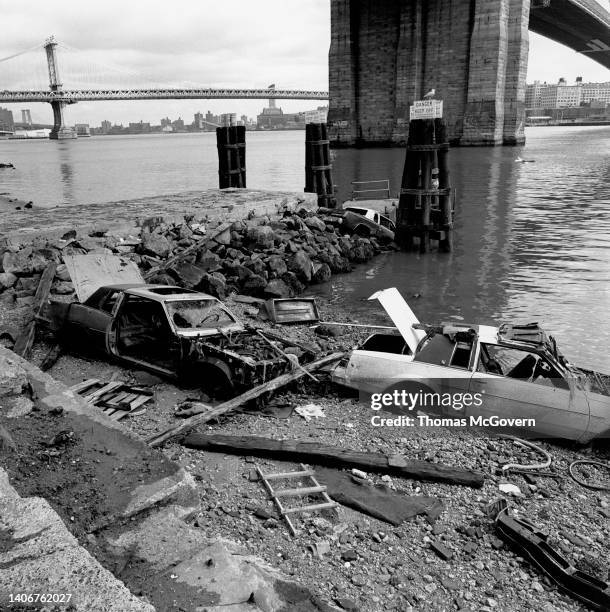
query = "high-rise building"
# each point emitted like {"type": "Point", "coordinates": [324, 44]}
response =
{"type": "Point", "coordinates": [199, 122]}
{"type": "Point", "coordinates": [106, 126]}
{"type": "Point", "coordinates": [178, 124]}
{"type": "Point", "coordinates": [6, 120]}
{"type": "Point", "coordinates": [26, 116]}
{"type": "Point", "coordinates": [227, 119]}
{"type": "Point", "coordinates": [166, 122]}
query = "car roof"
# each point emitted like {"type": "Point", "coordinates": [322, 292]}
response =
{"type": "Point", "coordinates": [148, 291]}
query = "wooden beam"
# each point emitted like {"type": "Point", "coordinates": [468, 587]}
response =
{"type": "Point", "coordinates": [23, 345]}
{"type": "Point", "coordinates": [208, 415]}
{"type": "Point", "coordinates": [332, 456]}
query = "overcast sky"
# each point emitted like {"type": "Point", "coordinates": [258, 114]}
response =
{"type": "Point", "coordinates": [242, 43]}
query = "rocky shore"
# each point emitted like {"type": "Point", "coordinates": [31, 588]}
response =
{"type": "Point", "coordinates": [342, 559]}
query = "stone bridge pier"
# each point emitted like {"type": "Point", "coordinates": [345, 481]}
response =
{"type": "Point", "coordinates": [386, 53]}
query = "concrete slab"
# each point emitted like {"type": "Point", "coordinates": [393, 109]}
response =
{"type": "Point", "coordinates": [129, 476]}
{"type": "Point", "coordinates": [210, 206]}
{"type": "Point", "coordinates": [39, 555]}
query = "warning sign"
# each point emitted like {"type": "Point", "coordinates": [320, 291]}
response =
{"type": "Point", "coordinates": [426, 109]}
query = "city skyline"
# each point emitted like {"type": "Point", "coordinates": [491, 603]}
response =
{"type": "Point", "coordinates": [251, 45]}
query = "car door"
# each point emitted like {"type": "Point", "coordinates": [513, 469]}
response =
{"type": "Point", "coordinates": [519, 384]}
{"type": "Point", "coordinates": [89, 323]}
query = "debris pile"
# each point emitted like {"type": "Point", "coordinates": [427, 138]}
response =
{"type": "Point", "coordinates": [260, 257]}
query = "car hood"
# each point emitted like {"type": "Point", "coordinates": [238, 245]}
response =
{"type": "Point", "coordinates": [401, 314]}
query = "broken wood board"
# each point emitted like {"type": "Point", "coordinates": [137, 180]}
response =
{"type": "Point", "coordinates": [90, 272]}
{"type": "Point", "coordinates": [208, 415]}
{"type": "Point", "coordinates": [23, 345]}
{"type": "Point", "coordinates": [332, 456]}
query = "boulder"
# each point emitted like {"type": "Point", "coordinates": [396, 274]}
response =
{"type": "Point", "coordinates": [315, 223]}
{"type": "Point", "coordinates": [187, 274]}
{"type": "Point", "coordinates": [277, 288]}
{"type": "Point", "coordinates": [62, 288]}
{"type": "Point", "coordinates": [301, 265]}
{"type": "Point", "coordinates": [161, 278]}
{"type": "Point", "coordinates": [296, 286]}
{"type": "Point", "coordinates": [27, 261]}
{"type": "Point", "coordinates": [262, 236]}
{"type": "Point", "coordinates": [256, 264]}
{"type": "Point", "coordinates": [276, 265]}
{"type": "Point", "coordinates": [254, 285]}
{"type": "Point", "coordinates": [208, 261]}
{"type": "Point", "coordinates": [62, 273]}
{"type": "Point", "coordinates": [7, 280]}
{"type": "Point", "coordinates": [7, 298]}
{"type": "Point", "coordinates": [155, 245]}
{"type": "Point", "coordinates": [321, 273]}
{"type": "Point", "coordinates": [28, 283]}
{"type": "Point", "coordinates": [215, 284]}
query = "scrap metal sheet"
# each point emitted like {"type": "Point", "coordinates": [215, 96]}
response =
{"type": "Point", "coordinates": [90, 272]}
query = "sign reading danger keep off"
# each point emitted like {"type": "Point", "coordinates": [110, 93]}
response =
{"type": "Point", "coordinates": [426, 109]}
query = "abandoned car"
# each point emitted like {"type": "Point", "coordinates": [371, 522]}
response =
{"type": "Point", "coordinates": [364, 222]}
{"type": "Point", "coordinates": [174, 332]}
{"type": "Point", "coordinates": [517, 372]}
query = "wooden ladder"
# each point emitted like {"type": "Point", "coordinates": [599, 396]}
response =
{"type": "Point", "coordinates": [276, 494]}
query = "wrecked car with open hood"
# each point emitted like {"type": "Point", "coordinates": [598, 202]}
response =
{"type": "Point", "coordinates": [516, 372]}
{"type": "Point", "coordinates": [173, 332]}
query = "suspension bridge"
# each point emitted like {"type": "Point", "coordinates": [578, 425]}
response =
{"type": "Point", "coordinates": [33, 75]}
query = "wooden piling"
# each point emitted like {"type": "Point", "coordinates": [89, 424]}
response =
{"type": "Point", "coordinates": [318, 174]}
{"type": "Point", "coordinates": [231, 144]}
{"type": "Point", "coordinates": [425, 209]}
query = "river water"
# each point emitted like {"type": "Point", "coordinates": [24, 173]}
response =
{"type": "Point", "coordinates": [532, 240]}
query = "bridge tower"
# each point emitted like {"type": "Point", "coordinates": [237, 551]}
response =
{"type": "Point", "coordinates": [60, 130]}
{"type": "Point", "coordinates": [386, 54]}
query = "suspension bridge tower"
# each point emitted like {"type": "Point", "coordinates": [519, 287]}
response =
{"type": "Point", "coordinates": [60, 130]}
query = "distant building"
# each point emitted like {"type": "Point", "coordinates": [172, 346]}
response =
{"type": "Point", "coordinates": [318, 115]}
{"type": "Point", "coordinates": [82, 129]}
{"type": "Point", "coordinates": [6, 120]}
{"type": "Point", "coordinates": [270, 118]}
{"type": "Point", "coordinates": [166, 122]}
{"type": "Point", "coordinates": [562, 95]}
{"type": "Point", "coordinates": [178, 125]}
{"type": "Point", "coordinates": [106, 126]}
{"type": "Point", "coordinates": [199, 121]}
{"type": "Point", "coordinates": [227, 119]}
{"type": "Point", "coordinates": [26, 117]}
{"type": "Point", "coordinates": [139, 128]}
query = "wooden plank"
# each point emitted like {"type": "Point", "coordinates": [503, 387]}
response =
{"type": "Point", "coordinates": [125, 403]}
{"type": "Point", "coordinates": [310, 508]}
{"type": "Point", "coordinates": [114, 402]}
{"type": "Point", "coordinates": [23, 345]}
{"type": "Point", "coordinates": [95, 395]}
{"type": "Point", "coordinates": [299, 491]}
{"type": "Point", "coordinates": [139, 401]}
{"type": "Point", "coordinates": [290, 474]}
{"type": "Point", "coordinates": [332, 456]}
{"type": "Point", "coordinates": [208, 415]}
{"type": "Point", "coordinates": [87, 384]}
{"type": "Point", "coordinates": [50, 359]}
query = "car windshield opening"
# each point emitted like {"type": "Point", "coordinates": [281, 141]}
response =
{"type": "Point", "coordinates": [198, 314]}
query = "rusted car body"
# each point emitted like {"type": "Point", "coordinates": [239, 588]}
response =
{"type": "Point", "coordinates": [364, 222]}
{"type": "Point", "coordinates": [173, 332]}
{"type": "Point", "coordinates": [517, 370]}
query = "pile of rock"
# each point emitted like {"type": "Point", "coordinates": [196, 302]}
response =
{"type": "Point", "coordinates": [260, 256]}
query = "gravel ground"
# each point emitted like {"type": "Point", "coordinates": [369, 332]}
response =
{"type": "Point", "coordinates": [370, 565]}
